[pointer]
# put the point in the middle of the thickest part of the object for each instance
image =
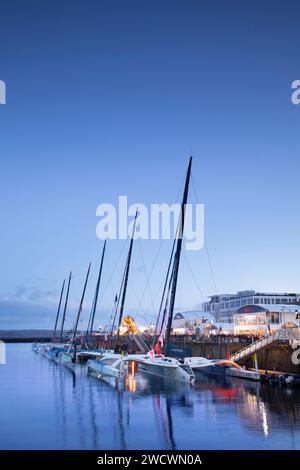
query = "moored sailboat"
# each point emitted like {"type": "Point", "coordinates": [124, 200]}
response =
{"type": "Point", "coordinates": [111, 363]}
{"type": "Point", "coordinates": [155, 363]}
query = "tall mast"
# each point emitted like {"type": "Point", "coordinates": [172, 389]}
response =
{"type": "Point", "coordinates": [116, 308]}
{"type": "Point", "coordinates": [65, 307]}
{"type": "Point", "coordinates": [58, 310]}
{"type": "Point", "coordinates": [177, 254]}
{"type": "Point", "coordinates": [162, 299]}
{"type": "Point", "coordinates": [81, 302]}
{"type": "Point", "coordinates": [93, 312]}
{"type": "Point", "coordinates": [126, 275]}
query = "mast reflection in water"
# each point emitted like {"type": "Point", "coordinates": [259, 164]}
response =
{"type": "Point", "coordinates": [45, 406]}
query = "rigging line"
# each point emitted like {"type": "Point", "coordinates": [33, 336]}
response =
{"type": "Point", "coordinates": [166, 280]}
{"type": "Point", "coordinates": [94, 297]}
{"type": "Point", "coordinates": [133, 289]}
{"type": "Point", "coordinates": [65, 307]}
{"type": "Point", "coordinates": [114, 269]}
{"type": "Point", "coordinates": [165, 311]}
{"type": "Point", "coordinates": [93, 269]}
{"type": "Point", "coordinates": [58, 310]}
{"type": "Point", "coordinates": [90, 316]}
{"type": "Point", "coordinates": [166, 291]}
{"type": "Point", "coordinates": [143, 316]}
{"type": "Point", "coordinates": [177, 255]}
{"type": "Point", "coordinates": [118, 297]}
{"type": "Point", "coordinates": [151, 272]}
{"type": "Point", "coordinates": [110, 281]}
{"type": "Point", "coordinates": [205, 243]}
{"type": "Point", "coordinates": [169, 274]}
{"type": "Point", "coordinates": [97, 288]}
{"type": "Point", "coordinates": [210, 265]}
{"type": "Point", "coordinates": [116, 305]}
{"type": "Point", "coordinates": [81, 304]}
{"type": "Point", "coordinates": [158, 290]}
{"type": "Point", "coordinates": [127, 269]}
{"type": "Point", "coordinates": [193, 276]}
{"type": "Point", "coordinates": [157, 255]}
{"type": "Point", "coordinates": [146, 277]}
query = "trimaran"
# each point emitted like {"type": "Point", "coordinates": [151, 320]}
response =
{"type": "Point", "coordinates": [111, 362]}
{"type": "Point", "coordinates": [68, 353]}
{"type": "Point", "coordinates": [152, 362]}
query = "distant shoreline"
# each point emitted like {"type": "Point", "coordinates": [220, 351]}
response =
{"type": "Point", "coordinates": [25, 336]}
{"type": "Point", "coordinates": [26, 340]}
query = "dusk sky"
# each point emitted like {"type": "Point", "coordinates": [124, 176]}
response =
{"type": "Point", "coordinates": [109, 98]}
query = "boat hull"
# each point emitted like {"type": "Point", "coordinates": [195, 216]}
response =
{"type": "Point", "coordinates": [181, 373]}
{"type": "Point", "coordinates": [210, 371]}
{"type": "Point", "coordinates": [243, 374]}
{"type": "Point", "coordinates": [99, 370]}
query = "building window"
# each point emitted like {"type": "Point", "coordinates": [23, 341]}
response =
{"type": "Point", "coordinates": [256, 300]}
{"type": "Point", "coordinates": [251, 320]}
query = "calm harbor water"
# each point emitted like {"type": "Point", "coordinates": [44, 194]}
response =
{"type": "Point", "coordinates": [44, 406]}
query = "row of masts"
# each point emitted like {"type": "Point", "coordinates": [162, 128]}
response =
{"type": "Point", "coordinates": [164, 324]}
{"type": "Point", "coordinates": [65, 308]}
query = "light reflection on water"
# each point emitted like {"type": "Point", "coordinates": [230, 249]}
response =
{"type": "Point", "coordinates": [45, 406]}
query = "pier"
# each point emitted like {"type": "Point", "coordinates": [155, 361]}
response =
{"type": "Point", "coordinates": [273, 352]}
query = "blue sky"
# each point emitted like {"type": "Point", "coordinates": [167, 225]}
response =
{"type": "Point", "coordinates": [107, 98]}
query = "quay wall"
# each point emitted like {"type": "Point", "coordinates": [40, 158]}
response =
{"type": "Point", "coordinates": [277, 357]}
{"type": "Point", "coordinates": [25, 336]}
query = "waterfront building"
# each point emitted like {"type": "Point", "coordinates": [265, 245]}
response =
{"type": "Point", "coordinates": [262, 319]}
{"type": "Point", "coordinates": [223, 306]}
{"type": "Point", "coordinates": [188, 322]}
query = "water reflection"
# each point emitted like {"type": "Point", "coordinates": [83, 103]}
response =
{"type": "Point", "coordinates": [86, 391]}
{"type": "Point", "coordinates": [61, 410]}
{"type": "Point", "coordinates": [259, 406]}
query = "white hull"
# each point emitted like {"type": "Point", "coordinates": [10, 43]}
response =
{"type": "Point", "coordinates": [108, 365]}
{"type": "Point", "coordinates": [66, 359]}
{"type": "Point", "coordinates": [167, 368]}
{"type": "Point", "coordinates": [116, 365]}
{"type": "Point", "coordinates": [243, 374]}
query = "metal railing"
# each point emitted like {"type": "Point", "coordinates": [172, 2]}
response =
{"type": "Point", "coordinates": [283, 334]}
{"type": "Point", "coordinates": [143, 347]}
